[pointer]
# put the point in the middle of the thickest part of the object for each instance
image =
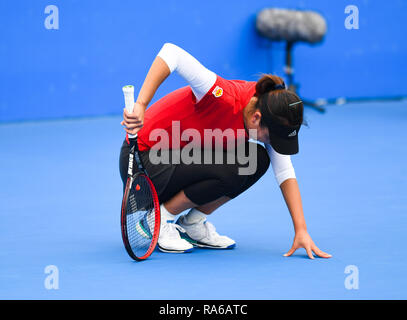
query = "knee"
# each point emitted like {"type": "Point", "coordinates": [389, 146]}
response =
{"type": "Point", "coordinates": [124, 162]}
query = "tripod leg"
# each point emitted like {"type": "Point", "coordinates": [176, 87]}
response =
{"type": "Point", "coordinates": [289, 71]}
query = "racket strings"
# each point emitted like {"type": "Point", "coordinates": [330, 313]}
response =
{"type": "Point", "coordinates": [140, 216]}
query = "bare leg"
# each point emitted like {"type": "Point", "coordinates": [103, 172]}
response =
{"type": "Point", "coordinates": [210, 207]}
{"type": "Point", "coordinates": [180, 202]}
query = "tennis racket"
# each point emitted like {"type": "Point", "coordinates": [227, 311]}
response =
{"type": "Point", "coordinates": [140, 214]}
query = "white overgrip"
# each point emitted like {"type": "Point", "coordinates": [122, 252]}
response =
{"type": "Point", "coordinates": [128, 92]}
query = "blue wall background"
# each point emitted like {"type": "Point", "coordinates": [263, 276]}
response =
{"type": "Point", "coordinates": [79, 69]}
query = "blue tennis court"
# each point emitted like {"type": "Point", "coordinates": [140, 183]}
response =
{"type": "Point", "coordinates": [60, 205]}
{"type": "Point", "coordinates": [63, 65]}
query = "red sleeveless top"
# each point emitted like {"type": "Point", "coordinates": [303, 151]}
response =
{"type": "Point", "coordinates": [169, 118]}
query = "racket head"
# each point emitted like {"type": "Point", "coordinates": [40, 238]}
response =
{"type": "Point", "coordinates": [140, 217]}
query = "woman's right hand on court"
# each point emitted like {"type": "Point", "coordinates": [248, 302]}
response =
{"type": "Point", "coordinates": [303, 240]}
{"type": "Point", "coordinates": [134, 121]}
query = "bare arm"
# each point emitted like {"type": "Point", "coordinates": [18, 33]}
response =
{"type": "Point", "coordinates": [286, 179]}
{"type": "Point", "coordinates": [158, 72]}
{"type": "Point", "coordinates": [292, 197]}
{"type": "Point", "coordinates": [170, 58]}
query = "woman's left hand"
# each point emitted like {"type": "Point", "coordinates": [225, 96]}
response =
{"type": "Point", "coordinates": [303, 240]}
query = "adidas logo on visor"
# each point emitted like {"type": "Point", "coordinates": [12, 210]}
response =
{"type": "Point", "coordinates": [292, 134]}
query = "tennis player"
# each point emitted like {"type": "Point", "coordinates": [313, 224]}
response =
{"type": "Point", "coordinates": [249, 113]}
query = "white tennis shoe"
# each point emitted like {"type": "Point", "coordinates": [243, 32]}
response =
{"type": "Point", "coordinates": [203, 234]}
{"type": "Point", "coordinates": [145, 226]}
{"type": "Point", "coordinates": [170, 240]}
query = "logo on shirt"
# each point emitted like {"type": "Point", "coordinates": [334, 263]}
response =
{"type": "Point", "coordinates": [217, 92]}
{"type": "Point", "coordinates": [292, 134]}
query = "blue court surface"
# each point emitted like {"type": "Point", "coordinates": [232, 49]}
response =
{"type": "Point", "coordinates": [60, 197]}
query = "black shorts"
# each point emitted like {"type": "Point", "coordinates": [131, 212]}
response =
{"type": "Point", "coordinates": [201, 182]}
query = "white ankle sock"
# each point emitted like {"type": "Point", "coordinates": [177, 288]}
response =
{"type": "Point", "coordinates": [166, 215]}
{"type": "Point", "coordinates": [194, 215]}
